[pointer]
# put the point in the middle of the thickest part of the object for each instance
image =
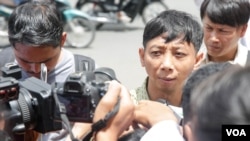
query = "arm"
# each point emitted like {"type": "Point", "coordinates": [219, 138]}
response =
{"type": "Point", "coordinates": [160, 119]}
{"type": "Point", "coordinates": [79, 130]}
{"type": "Point", "coordinates": [148, 113]}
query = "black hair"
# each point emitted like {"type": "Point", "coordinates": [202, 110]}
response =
{"type": "Point", "coordinates": [36, 23]}
{"type": "Point", "coordinates": [220, 100]}
{"type": "Point", "coordinates": [196, 78]}
{"type": "Point", "coordinates": [176, 24]}
{"type": "Point", "coordinates": [228, 12]}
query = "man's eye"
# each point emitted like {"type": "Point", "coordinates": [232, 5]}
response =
{"type": "Point", "coordinates": [180, 54]}
{"type": "Point", "coordinates": [224, 31]}
{"type": "Point", "coordinates": [156, 53]}
{"type": "Point", "coordinates": [209, 29]}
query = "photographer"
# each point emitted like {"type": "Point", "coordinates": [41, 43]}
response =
{"type": "Point", "coordinates": [36, 35]}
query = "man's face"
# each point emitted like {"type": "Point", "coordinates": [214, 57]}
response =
{"type": "Point", "coordinates": [168, 64]}
{"type": "Point", "coordinates": [221, 40]}
{"type": "Point", "coordinates": [30, 58]}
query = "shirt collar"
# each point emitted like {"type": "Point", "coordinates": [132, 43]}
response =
{"type": "Point", "coordinates": [240, 57]}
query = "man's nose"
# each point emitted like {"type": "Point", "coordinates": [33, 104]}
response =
{"type": "Point", "coordinates": [167, 62]}
{"type": "Point", "coordinates": [214, 36]}
{"type": "Point", "coordinates": [35, 67]}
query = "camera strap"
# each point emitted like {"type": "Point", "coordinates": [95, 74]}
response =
{"type": "Point", "coordinates": [97, 126]}
{"type": "Point", "coordinates": [102, 123]}
{"type": "Point", "coordinates": [64, 118]}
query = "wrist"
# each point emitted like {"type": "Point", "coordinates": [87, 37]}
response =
{"type": "Point", "coordinates": [105, 136]}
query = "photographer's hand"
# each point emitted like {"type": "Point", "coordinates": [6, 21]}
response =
{"type": "Point", "coordinates": [121, 121]}
{"type": "Point", "coordinates": [79, 130]}
{"type": "Point", "coordinates": [148, 113]}
{"type": "Point", "coordinates": [158, 117]}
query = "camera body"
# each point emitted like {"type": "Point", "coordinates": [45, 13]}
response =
{"type": "Point", "coordinates": [30, 107]}
{"type": "Point", "coordinates": [80, 94]}
{"type": "Point", "coordinates": [32, 104]}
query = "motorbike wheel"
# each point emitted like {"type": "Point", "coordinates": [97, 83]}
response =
{"type": "Point", "coordinates": [152, 10]}
{"type": "Point", "coordinates": [80, 32]}
{"type": "Point", "coordinates": [4, 33]}
{"type": "Point", "coordinates": [91, 9]}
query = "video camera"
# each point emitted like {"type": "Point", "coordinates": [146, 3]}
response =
{"type": "Point", "coordinates": [33, 104]}
{"type": "Point", "coordinates": [27, 105]}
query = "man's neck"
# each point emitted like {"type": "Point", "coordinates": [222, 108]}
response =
{"type": "Point", "coordinates": [230, 56]}
{"type": "Point", "coordinates": [173, 97]}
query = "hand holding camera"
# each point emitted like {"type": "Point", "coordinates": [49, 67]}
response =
{"type": "Point", "coordinates": [123, 117]}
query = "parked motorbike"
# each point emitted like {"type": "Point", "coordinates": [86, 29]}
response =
{"type": "Point", "coordinates": [105, 11]}
{"type": "Point", "coordinates": [5, 12]}
{"type": "Point", "coordinates": [78, 25]}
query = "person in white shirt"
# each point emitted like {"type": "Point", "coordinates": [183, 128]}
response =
{"type": "Point", "coordinates": [223, 30]}
{"type": "Point", "coordinates": [245, 40]}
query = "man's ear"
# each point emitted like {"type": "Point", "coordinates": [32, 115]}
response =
{"type": "Point", "coordinates": [199, 60]}
{"type": "Point", "coordinates": [64, 36]}
{"type": "Point", "coordinates": [243, 30]}
{"type": "Point", "coordinates": [141, 55]}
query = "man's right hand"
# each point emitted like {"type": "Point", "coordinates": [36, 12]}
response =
{"type": "Point", "coordinates": [148, 113]}
{"type": "Point", "coordinates": [123, 118]}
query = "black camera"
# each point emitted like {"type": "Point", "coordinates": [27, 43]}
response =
{"type": "Point", "coordinates": [27, 105]}
{"type": "Point", "coordinates": [82, 91]}
{"type": "Point", "coordinates": [33, 104]}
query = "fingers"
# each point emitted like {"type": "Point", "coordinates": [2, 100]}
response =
{"type": "Point", "coordinates": [126, 99]}
{"type": "Point", "coordinates": [108, 101]}
{"type": "Point", "coordinates": [139, 114]}
{"type": "Point", "coordinates": [122, 119]}
{"type": "Point", "coordinates": [148, 113]}
{"type": "Point", "coordinates": [126, 108]}
{"type": "Point", "coordinates": [111, 96]}
{"type": "Point", "coordinates": [115, 91]}
{"type": "Point", "coordinates": [125, 115]}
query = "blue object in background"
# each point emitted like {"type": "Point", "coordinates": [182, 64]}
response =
{"type": "Point", "coordinates": [17, 2]}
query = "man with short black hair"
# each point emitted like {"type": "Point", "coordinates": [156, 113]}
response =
{"type": "Point", "coordinates": [36, 34]}
{"type": "Point", "coordinates": [225, 22]}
